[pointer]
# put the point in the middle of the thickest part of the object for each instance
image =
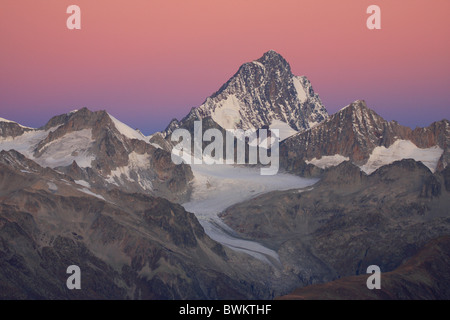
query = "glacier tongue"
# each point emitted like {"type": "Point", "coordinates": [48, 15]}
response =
{"type": "Point", "coordinates": [217, 187]}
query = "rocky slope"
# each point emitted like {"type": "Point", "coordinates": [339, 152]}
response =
{"type": "Point", "coordinates": [425, 276]}
{"type": "Point", "coordinates": [127, 245]}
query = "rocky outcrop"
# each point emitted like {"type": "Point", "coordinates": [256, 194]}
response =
{"type": "Point", "coordinates": [128, 246]}
{"type": "Point", "coordinates": [260, 92]}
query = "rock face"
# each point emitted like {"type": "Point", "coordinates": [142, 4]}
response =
{"type": "Point", "coordinates": [425, 276]}
{"type": "Point", "coordinates": [354, 133]}
{"type": "Point", "coordinates": [261, 92]}
{"type": "Point", "coordinates": [11, 129]}
{"type": "Point", "coordinates": [128, 246]}
{"type": "Point", "coordinates": [100, 150]}
{"type": "Point", "coordinates": [349, 220]}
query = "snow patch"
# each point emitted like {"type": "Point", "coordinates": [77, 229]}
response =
{"type": "Point", "coordinates": [285, 130]}
{"type": "Point", "coordinates": [137, 163]}
{"type": "Point", "coordinates": [83, 183]}
{"type": "Point", "coordinates": [402, 149]}
{"type": "Point", "coordinates": [259, 64]}
{"type": "Point", "coordinates": [227, 113]}
{"type": "Point", "coordinates": [74, 146]}
{"type": "Point", "coordinates": [89, 192]}
{"type": "Point", "coordinates": [24, 143]}
{"type": "Point", "coordinates": [328, 161]}
{"type": "Point", "coordinates": [9, 121]}
{"type": "Point", "coordinates": [312, 124]}
{"type": "Point", "coordinates": [301, 94]}
{"type": "Point", "coordinates": [52, 186]}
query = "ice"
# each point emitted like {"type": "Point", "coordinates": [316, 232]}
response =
{"type": "Point", "coordinates": [301, 94]}
{"type": "Point", "coordinates": [127, 131]}
{"type": "Point", "coordinates": [83, 183]}
{"type": "Point", "coordinates": [402, 149]}
{"type": "Point", "coordinates": [74, 146]}
{"type": "Point", "coordinates": [52, 186]}
{"type": "Point", "coordinates": [328, 161]}
{"type": "Point", "coordinates": [312, 124]}
{"type": "Point", "coordinates": [217, 187]}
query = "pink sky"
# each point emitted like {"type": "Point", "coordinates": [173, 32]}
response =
{"type": "Point", "coordinates": [148, 61]}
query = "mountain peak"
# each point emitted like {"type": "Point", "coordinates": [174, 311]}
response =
{"type": "Point", "coordinates": [262, 93]}
{"type": "Point", "coordinates": [272, 58]}
{"type": "Point", "coordinates": [359, 110]}
{"type": "Point", "coordinates": [356, 105]}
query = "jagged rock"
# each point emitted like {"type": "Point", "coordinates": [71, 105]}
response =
{"type": "Point", "coordinates": [260, 92]}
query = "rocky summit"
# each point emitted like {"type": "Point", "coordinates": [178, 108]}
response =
{"type": "Point", "coordinates": [262, 93]}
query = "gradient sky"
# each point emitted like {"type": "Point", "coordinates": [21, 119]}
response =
{"type": "Point", "coordinates": [147, 61]}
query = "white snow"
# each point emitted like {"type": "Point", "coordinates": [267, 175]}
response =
{"type": "Point", "coordinates": [312, 124]}
{"type": "Point", "coordinates": [73, 146]}
{"type": "Point", "coordinates": [6, 120]}
{"type": "Point", "coordinates": [24, 143]}
{"type": "Point", "coordinates": [402, 149]}
{"type": "Point", "coordinates": [217, 187]}
{"type": "Point", "coordinates": [302, 96]}
{"type": "Point", "coordinates": [128, 131]}
{"type": "Point", "coordinates": [9, 121]}
{"type": "Point", "coordinates": [89, 192]}
{"type": "Point", "coordinates": [227, 113]}
{"type": "Point", "coordinates": [259, 64]}
{"type": "Point", "coordinates": [59, 152]}
{"type": "Point", "coordinates": [285, 131]}
{"type": "Point", "coordinates": [328, 161]}
{"type": "Point", "coordinates": [83, 183]}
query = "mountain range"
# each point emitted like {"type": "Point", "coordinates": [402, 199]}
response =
{"type": "Point", "coordinates": [353, 190]}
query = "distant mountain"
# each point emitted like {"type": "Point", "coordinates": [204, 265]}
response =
{"type": "Point", "coordinates": [98, 149]}
{"type": "Point", "coordinates": [262, 93]}
{"type": "Point", "coordinates": [127, 245]}
{"type": "Point", "coordinates": [359, 134]}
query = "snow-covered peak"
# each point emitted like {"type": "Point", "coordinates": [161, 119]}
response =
{"type": "Point", "coordinates": [127, 131]}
